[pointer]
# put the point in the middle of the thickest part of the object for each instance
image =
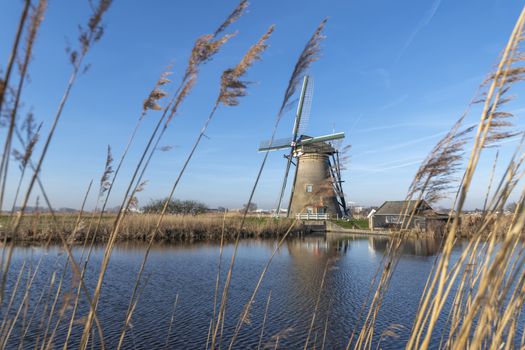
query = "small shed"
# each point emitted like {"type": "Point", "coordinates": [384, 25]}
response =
{"type": "Point", "coordinates": [392, 214]}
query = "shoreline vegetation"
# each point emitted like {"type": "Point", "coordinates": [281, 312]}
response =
{"type": "Point", "coordinates": [42, 228]}
{"type": "Point", "coordinates": [480, 294]}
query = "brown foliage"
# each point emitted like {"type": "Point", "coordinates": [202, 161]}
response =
{"type": "Point", "coordinates": [231, 86]}
{"type": "Point", "coordinates": [136, 227]}
{"type": "Point", "coordinates": [309, 54]}
{"type": "Point", "coordinates": [234, 16]}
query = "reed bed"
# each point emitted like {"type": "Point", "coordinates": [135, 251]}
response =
{"type": "Point", "coordinates": [42, 229]}
{"type": "Point", "coordinates": [485, 286]}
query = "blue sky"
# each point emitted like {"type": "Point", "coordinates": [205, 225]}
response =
{"type": "Point", "coordinates": [394, 76]}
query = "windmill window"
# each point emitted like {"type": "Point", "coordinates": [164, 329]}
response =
{"type": "Point", "coordinates": [309, 188]}
{"type": "Point", "coordinates": [309, 210]}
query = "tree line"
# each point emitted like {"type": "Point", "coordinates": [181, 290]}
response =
{"type": "Point", "coordinates": [176, 206]}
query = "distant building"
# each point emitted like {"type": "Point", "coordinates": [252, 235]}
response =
{"type": "Point", "coordinates": [357, 210]}
{"type": "Point", "coordinates": [261, 211]}
{"type": "Point", "coordinates": [282, 212]}
{"type": "Point", "coordinates": [135, 210]}
{"type": "Point", "coordinates": [392, 214]}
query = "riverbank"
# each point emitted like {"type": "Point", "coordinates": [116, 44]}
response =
{"type": "Point", "coordinates": [138, 227]}
{"type": "Point", "coordinates": [333, 227]}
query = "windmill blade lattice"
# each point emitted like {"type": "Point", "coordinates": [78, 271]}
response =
{"type": "Point", "coordinates": [336, 144]}
{"type": "Point", "coordinates": [307, 107]}
{"type": "Point", "coordinates": [283, 143]}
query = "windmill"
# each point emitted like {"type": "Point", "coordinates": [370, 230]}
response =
{"type": "Point", "coordinates": [317, 184]}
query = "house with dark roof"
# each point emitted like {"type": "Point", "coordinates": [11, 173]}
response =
{"type": "Point", "coordinates": [392, 214]}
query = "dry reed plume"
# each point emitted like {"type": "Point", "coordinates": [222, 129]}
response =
{"type": "Point", "coordinates": [205, 47]}
{"type": "Point", "coordinates": [231, 89]}
{"type": "Point", "coordinates": [485, 275]}
{"type": "Point", "coordinates": [309, 54]}
{"type": "Point", "coordinates": [485, 285]}
{"type": "Point", "coordinates": [87, 37]}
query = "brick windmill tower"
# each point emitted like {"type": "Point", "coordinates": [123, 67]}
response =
{"type": "Point", "coordinates": [317, 185]}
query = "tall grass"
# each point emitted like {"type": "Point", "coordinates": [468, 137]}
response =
{"type": "Point", "coordinates": [41, 229]}
{"type": "Point", "coordinates": [205, 47]}
{"type": "Point", "coordinates": [309, 54]}
{"type": "Point", "coordinates": [485, 285]}
{"type": "Point", "coordinates": [487, 276]}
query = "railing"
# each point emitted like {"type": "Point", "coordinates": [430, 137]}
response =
{"type": "Point", "coordinates": [313, 216]}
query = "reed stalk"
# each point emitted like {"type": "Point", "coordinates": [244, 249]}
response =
{"type": "Point", "coordinates": [149, 104]}
{"type": "Point", "coordinates": [34, 24]}
{"type": "Point", "coordinates": [172, 320]}
{"type": "Point", "coordinates": [14, 51]}
{"type": "Point", "coordinates": [231, 89]}
{"type": "Point", "coordinates": [4, 86]}
{"type": "Point", "coordinates": [87, 38]}
{"type": "Point", "coordinates": [204, 49]}
{"type": "Point", "coordinates": [264, 319]}
{"type": "Point", "coordinates": [309, 54]}
{"type": "Point", "coordinates": [217, 280]}
{"type": "Point", "coordinates": [325, 331]}
{"type": "Point", "coordinates": [491, 102]}
{"type": "Point", "coordinates": [53, 306]}
{"type": "Point", "coordinates": [25, 299]}
{"type": "Point", "coordinates": [5, 321]}
{"type": "Point", "coordinates": [312, 322]}
{"type": "Point", "coordinates": [490, 181]}
{"type": "Point", "coordinates": [245, 314]}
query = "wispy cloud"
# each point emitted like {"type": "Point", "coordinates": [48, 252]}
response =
{"type": "Point", "coordinates": [453, 90]}
{"type": "Point", "coordinates": [388, 165]}
{"type": "Point", "coordinates": [382, 74]}
{"type": "Point", "coordinates": [394, 126]}
{"type": "Point", "coordinates": [397, 166]}
{"type": "Point", "coordinates": [356, 121]}
{"type": "Point", "coordinates": [518, 111]}
{"type": "Point", "coordinates": [394, 103]}
{"type": "Point", "coordinates": [427, 18]}
{"type": "Point", "coordinates": [402, 144]}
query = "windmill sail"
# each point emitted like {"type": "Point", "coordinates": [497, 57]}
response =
{"type": "Point", "coordinates": [278, 144]}
{"type": "Point", "coordinates": [330, 137]}
{"type": "Point", "coordinates": [336, 144]}
{"type": "Point", "coordinates": [300, 108]}
{"type": "Point", "coordinates": [307, 107]}
{"type": "Point", "coordinates": [296, 127]}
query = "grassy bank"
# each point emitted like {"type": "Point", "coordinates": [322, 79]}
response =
{"type": "Point", "coordinates": [353, 224]}
{"type": "Point", "coordinates": [138, 227]}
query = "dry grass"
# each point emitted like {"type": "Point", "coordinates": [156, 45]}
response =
{"type": "Point", "coordinates": [485, 286]}
{"type": "Point", "coordinates": [43, 228]}
{"type": "Point", "coordinates": [309, 54]}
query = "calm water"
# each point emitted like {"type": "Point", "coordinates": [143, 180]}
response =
{"type": "Point", "coordinates": [294, 280]}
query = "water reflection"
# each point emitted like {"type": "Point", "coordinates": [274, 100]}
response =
{"type": "Point", "coordinates": [418, 247]}
{"type": "Point", "coordinates": [334, 245]}
{"type": "Point", "coordinates": [347, 262]}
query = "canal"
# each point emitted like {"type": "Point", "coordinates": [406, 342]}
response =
{"type": "Point", "coordinates": [187, 273]}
